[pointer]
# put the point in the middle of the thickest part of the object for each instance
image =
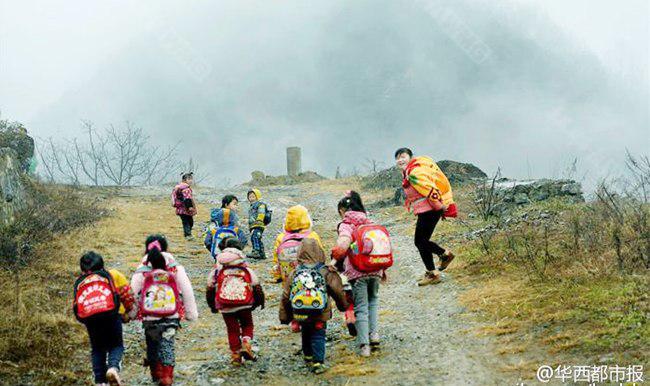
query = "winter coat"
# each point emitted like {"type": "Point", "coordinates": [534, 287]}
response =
{"type": "Point", "coordinates": [296, 221]}
{"type": "Point", "coordinates": [351, 221]}
{"type": "Point", "coordinates": [231, 257]}
{"type": "Point", "coordinates": [187, 206]}
{"type": "Point", "coordinates": [224, 217]}
{"type": "Point", "coordinates": [310, 253]}
{"type": "Point", "coordinates": [257, 211]}
{"type": "Point", "coordinates": [188, 302]}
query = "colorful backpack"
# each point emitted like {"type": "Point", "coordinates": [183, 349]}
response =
{"type": "Point", "coordinates": [95, 294]}
{"type": "Point", "coordinates": [178, 198]}
{"type": "Point", "coordinates": [234, 287]}
{"type": "Point", "coordinates": [288, 252]}
{"type": "Point", "coordinates": [159, 296]}
{"type": "Point", "coordinates": [371, 249]}
{"type": "Point", "coordinates": [220, 233]}
{"type": "Point", "coordinates": [308, 294]}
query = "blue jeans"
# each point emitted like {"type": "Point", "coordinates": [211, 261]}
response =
{"type": "Point", "coordinates": [107, 346]}
{"type": "Point", "coordinates": [366, 306]}
{"type": "Point", "coordinates": [256, 240]}
{"type": "Point", "coordinates": [313, 340]}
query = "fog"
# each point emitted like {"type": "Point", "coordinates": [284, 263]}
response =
{"type": "Point", "coordinates": [527, 85]}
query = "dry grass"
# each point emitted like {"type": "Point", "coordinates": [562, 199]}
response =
{"type": "Point", "coordinates": [41, 337]}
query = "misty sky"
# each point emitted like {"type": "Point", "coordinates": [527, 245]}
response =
{"type": "Point", "coordinates": [256, 77]}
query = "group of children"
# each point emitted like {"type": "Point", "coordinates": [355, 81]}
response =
{"type": "Point", "coordinates": [160, 293]}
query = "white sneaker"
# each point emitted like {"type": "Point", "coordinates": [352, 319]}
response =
{"type": "Point", "coordinates": [113, 376]}
{"type": "Point", "coordinates": [364, 351]}
{"type": "Point", "coordinates": [374, 339]}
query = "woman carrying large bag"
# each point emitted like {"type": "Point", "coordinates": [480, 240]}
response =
{"type": "Point", "coordinates": [429, 197]}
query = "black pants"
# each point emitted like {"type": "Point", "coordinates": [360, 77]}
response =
{"type": "Point", "coordinates": [106, 344]}
{"type": "Point", "coordinates": [188, 223]}
{"type": "Point", "coordinates": [424, 227]}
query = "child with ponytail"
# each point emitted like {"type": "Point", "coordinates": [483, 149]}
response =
{"type": "Point", "coordinates": [165, 296]}
{"type": "Point", "coordinates": [365, 285]}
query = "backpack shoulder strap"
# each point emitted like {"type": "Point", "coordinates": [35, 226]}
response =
{"type": "Point", "coordinates": [226, 217]}
{"type": "Point", "coordinates": [143, 269]}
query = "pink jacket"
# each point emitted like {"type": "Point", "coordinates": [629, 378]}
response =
{"type": "Point", "coordinates": [187, 193]}
{"type": "Point", "coordinates": [231, 257]}
{"type": "Point", "coordinates": [182, 280]}
{"type": "Point", "coordinates": [351, 221]}
{"type": "Point", "coordinates": [419, 203]}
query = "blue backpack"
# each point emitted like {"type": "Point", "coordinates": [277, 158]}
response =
{"type": "Point", "coordinates": [218, 233]}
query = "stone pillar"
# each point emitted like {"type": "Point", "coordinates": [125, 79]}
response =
{"type": "Point", "coordinates": [293, 161]}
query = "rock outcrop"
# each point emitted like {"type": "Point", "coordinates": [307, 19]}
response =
{"type": "Point", "coordinates": [260, 179]}
{"type": "Point", "coordinates": [12, 190]}
{"type": "Point", "coordinates": [456, 172]}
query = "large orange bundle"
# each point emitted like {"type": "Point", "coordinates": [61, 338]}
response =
{"type": "Point", "coordinates": [427, 178]}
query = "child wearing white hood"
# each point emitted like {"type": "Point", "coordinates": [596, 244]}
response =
{"type": "Point", "coordinates": [234, 290]}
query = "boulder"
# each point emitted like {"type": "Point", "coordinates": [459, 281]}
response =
{"type": "Point", "coordinates": [14, 136]}
{"type": "Point", "coordinates": [12, 190]}
{"type": "Point", "coordinates": [260, 179]}
{"type": "Point", "coordinates": [456, 172]}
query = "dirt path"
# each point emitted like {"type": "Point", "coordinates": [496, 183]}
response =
{"type": "Point", "coordinates": [425, 334]}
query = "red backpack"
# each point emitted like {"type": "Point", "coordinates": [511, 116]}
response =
{"type": "Point", "coordinates": [94, 294]}
{"type": "Point", "coordinates": [234, 287]}
{"type": "Point", "coordinates": [371, 249]}
{"type": "Point", "coordinates": [159, 296]}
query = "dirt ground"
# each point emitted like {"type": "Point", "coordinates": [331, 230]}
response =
{"type": "Point", "coordinates": [427, 336]}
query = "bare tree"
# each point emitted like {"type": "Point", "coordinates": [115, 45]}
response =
{"type": "Point", "coordinates": [639, 167]}
{"type": "Point", "coordinates": [373, 165]}
{"type": "Point", "coordinates": [118, 156]}
{"type": "Point", "coordinates": [486, 198]}
{"type": "Point", "coordinates": [194, 167]}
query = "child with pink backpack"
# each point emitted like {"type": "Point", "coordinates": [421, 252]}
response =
{"type": "Point", "coordinates": [365, 250]}
{"type": "Point", "coordinates": [165, 296]}
{"type": "Point", "coordinates": [234, 290]}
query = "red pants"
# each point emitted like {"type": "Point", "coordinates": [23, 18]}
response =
{"type": "Point", "coordinates": [239, 325]}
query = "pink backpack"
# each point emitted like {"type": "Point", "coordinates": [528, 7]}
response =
{"type": "Point", "coordinates": [288, 251]}
{"type": "Point", "coordinates": [159, 296]}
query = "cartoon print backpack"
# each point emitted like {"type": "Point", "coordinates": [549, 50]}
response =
{"type": "Point", "coordinates": [234, 287]}
{"type": "Point", "coordinates": [371, 248]}
{"type": "Point", "coordinates": [308, 291]}
{"type": "Point", "coordinates": [288, 252]}
{"type": "Point", "coordinates": [159, 296]}
{"type": "Point", "coordinates": [94, 294]}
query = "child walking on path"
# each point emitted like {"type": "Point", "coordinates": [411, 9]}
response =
{"type": "Point", "coordinates": [224, 222]}
{"type": "Point", "coordinates": [258, 218]}
{"type": "Point", "coordinates": [234, 290]}
{"type": "Point", "coordinates": [183, 201]}
{"type": "Point", "coordinates": [307, 296]}
{"type": "Point", "coordinates": [164, 297]}
{"type": "Point", "coordinates": [297, 226]}
{"type": "Point", "coordinates": [365, 285]}
{"type": "Point", "coordinates": [103, 315]}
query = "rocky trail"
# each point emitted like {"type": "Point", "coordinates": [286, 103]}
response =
{"type": "Point", "coordinates": [426, 337]}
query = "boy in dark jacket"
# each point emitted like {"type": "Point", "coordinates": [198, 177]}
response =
{"type": "Point", "coordinates": [256, 223]}
{"type": "Point", "coordinates": [313, 326]}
